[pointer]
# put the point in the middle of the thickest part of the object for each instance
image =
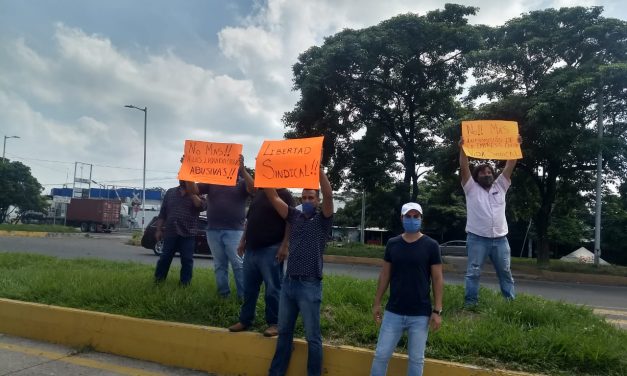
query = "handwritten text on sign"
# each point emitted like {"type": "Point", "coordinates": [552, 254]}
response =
{"type": "Point", "coordinates": [491, 139]}
{"type": "Point", "coordinates": [291, 163]}
{"type": "Point", "coordinates": [210, 162]}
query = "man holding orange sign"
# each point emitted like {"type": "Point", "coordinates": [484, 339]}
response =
{"type": "Point", "coordinates": [486, 225]}
{"type": "Point", "coordinates": [219, 167]}
{"type": "Point", "coordinates": [301, 291]}
{"type": "Point", "coordinates": [226, 216]}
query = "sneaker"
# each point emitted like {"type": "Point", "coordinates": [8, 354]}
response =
{"type": "Point", "coordinates": [271, 331]}
{"type": "Point", "coordinates": [239, 327]}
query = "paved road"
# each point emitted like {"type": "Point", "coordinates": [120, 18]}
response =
{"type": "Point", "coordinates": [113, 247]}
{"type": "Point", "coordinates": [24, 357]}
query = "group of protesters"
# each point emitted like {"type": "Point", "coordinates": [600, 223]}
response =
{"type": "Point", "coordinates": [256, 243]}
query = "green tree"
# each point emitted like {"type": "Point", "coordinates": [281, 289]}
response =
{"type": "Point", "coordinates": [18, 188]}
{"type": "Point", "coordinates": [395, 82]}
{"type": "Point", "coordinates": [546, 70]}
{"type": "Point", "coordinates": [614, 221]}
{"type": "Point", "coordinates": [442, 200]}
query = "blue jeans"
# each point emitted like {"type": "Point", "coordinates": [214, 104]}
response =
{"type": "Point", "coordinates": [302, 296]}
{"type": "Point", "coordinates": [261, 265]}
{"type": "Point", "coordinates": [392, 329]}
{"type": "Point", "coordinates": [185, 245]}
{"type": "Point", "coordinates": [223, 245]}
{"type": "Point", "coordinates": [499, 252]}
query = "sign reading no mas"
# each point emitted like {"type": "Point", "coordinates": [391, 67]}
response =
{"type": "Point", "coordinates": [210, 162]}
{"type": "Point", "coordinates": [491, 139]}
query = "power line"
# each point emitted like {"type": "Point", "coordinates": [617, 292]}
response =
{"type": "Point", "coordinates": [94, 164]}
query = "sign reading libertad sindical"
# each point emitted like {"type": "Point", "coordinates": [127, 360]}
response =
{"type": "Point", "coordinates": [491, 139]}
{"type": "Point", "coordinates": [210, 162]}
{"type": "Point", "coordinates": [293, 163]}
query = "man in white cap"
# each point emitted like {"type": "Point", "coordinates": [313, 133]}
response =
{"type": "Point", "coordinates": [412, 263]}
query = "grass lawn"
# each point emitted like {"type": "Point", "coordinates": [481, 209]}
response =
{"type": "Point", "coordinates": [36, 228]}
{"type": "Point", "coordinates": [136, 238]}
{"type": "Point", "coordinates": [529, 334]}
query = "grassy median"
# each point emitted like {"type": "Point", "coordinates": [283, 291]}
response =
{"type": "Point", "coordinates": [36, 228]}
{"type": "Point", "coordinates": [522, 263]}
{"type": "Point", "coordinates": [530, 334]}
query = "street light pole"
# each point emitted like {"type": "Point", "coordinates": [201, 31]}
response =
{"type": "Point", "coordinates": [4, 146]}
{"type": "Point", "coordinates": [145, 109]}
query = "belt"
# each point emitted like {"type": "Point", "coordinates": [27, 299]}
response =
{"type": "Point", "coordinates": [304, 278]}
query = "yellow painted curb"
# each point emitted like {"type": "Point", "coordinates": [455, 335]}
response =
{"type": "Point", "coordinates": [25, 234]}
{"type": "Point", "coordinates": [191, 346]}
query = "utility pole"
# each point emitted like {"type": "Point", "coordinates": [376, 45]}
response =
{"type": "Point", "coordinates": [363, 216]}
{"type": "Point", "coordinates": [145, 110]}
{"type": "Point", "coordinates": [597, 217]}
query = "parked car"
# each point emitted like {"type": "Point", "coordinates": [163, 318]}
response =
{"type": "Point", "coordinates": [32, 216]}
{"type": "Point", "coordinates": [453, 248]}
{"type": "Point", "coordinates": [149, 241]}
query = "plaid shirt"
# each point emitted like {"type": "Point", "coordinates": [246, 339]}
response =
{"type": "Point", "coordinates": [179, 213]}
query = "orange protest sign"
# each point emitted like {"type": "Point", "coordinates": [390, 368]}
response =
{"type": "Point", "coordinates": [210, 162]}
{"type": "Point", "coordinates": [491, 139]}
{"type": "Point", "coordinates": [291, 163]}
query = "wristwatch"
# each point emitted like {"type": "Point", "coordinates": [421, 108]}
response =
{"type": "Point", "coordinates": [437, 312]}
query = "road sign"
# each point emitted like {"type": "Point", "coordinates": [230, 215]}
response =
{"type": "Point", "coordinates": [61, 199]}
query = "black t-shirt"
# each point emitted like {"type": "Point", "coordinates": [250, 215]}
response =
{"type": "Point", "coordinates": [410, 279]}
{"type": "Point", "coordinates": [265, 226]}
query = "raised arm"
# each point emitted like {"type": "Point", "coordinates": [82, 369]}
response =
{"type": "Point", "coordinates": [279, 205]}
{"type": "Point", "coordinates": [464, 167]}
{"type": "Point", "coordinates": [247, 178]}
{"type": "Point", "coordinates": [382, 286]}
{"type": "Point", "coordinates": [327, 195]}
{"type": "Point", "coordinates": [510, 164]}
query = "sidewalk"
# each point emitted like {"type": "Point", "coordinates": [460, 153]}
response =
{"type": "Point", "coordinates": [22, 357]}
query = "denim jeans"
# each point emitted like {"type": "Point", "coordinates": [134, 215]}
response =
{"type": "Point", "coordinates": [302, 296]}
{"type": "Point", "coordinates": [497, 249]}
{"type": "Point", "coordinates": [185, 245]}
{"type": "Point", "coordinates": [223, 245]}
{"type": "Point", "coordinates": [261, 265]}
{"type": "Point", "coordinates": [392, 329]}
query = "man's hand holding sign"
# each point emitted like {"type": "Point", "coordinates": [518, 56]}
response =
{"type": "Point", "coordinates": [489, 139]}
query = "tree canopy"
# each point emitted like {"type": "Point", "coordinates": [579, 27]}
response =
{"type": "Point", "coordinates": [548, 70]}
{"type": "Point", "coordinates": [18, 188]}
{"type": "Point", "coordinates": [395, 83]}
{"type": "Point", "coordinates": [390, 98]}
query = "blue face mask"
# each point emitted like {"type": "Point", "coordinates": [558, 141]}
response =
{"type": "Point", "coordinates": [412, 225]}
{"type": "Point", "coordinates": [308, 208]}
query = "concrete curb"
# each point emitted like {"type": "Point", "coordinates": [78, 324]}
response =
{"type": "Point", "coordinates": [196, 347]}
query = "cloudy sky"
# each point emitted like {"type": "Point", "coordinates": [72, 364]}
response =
{"type": "Point", "coordinates": [206, 69]}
